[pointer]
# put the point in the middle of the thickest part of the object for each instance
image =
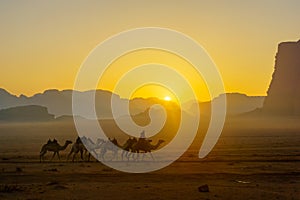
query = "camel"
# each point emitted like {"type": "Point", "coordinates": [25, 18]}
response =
{"type": "Point", "coordinates": [145, 146]}
{"type": "Point", "coordinates": [109, 145]}
{"type": "Point", "coordinates": [77, 147]}
{"type": "Point", "coordinates": [84, 145]}
{"type": "Point", "coordinates": [127, 147]}
{"type": "Point", "coordinates": [54, 147]}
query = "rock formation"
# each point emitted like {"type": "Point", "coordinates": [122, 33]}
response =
{"type": "Point", "coordinates": [284, 93]}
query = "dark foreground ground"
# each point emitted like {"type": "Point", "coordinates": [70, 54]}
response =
{"type": "Point", "coordinates": [226, 180]}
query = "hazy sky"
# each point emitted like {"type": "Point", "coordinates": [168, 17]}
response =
{"type": "Point", "coordinates": [43, 43]}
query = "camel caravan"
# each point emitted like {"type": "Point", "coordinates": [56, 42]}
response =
{"type": "Point", "coordinates": [102, 149]}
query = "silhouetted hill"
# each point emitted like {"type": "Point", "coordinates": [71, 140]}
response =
{"type": "Point", "coordinates": [59, 103]}
{"type": "Point", "coordinates": [8, 100]}
{"type": "Point", "coordinates": [236, 104]}
{"type": "Point", "coordinates": [25, 114]}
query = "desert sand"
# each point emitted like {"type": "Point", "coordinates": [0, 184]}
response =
{"type": "Point", "coordinates": [248, 162]}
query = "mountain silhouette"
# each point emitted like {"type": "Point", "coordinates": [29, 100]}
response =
{"type": "Point", "coordinates": [8, 100]}
{"type": "Point", "coordinates": [236, 104]}
{"type": "Point", "coordinates": [25, 114]}
{"type": "Point", "coordinates": [59, 103]}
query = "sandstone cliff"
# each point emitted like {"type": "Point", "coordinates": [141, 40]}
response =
{"type": "Point", "coordinates": [284, 94]}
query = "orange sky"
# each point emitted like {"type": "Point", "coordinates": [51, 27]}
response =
{"type": "Point", "coordinates": [44, 43]}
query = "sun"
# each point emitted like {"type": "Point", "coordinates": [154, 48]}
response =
{"type": "Point", "coordinates": [167, 98]}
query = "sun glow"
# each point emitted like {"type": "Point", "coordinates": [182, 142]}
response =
{"type": "Point", "coordinates": [167, 98]}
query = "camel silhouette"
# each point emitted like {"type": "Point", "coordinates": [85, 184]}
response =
{"type": "Point", "coordinates": [109, 145]}
{"type": "Point", "coordinates": [54, 147]}
{"type": "Point", "coordinates": [145, 146]}
{"type": "Point", "coordinates": [84, 145]}
{"type": "Point", "coordinates": [127, 147]}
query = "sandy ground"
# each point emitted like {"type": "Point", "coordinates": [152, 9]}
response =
{"type": "Point", "coordinates": [261, 164]}
{"type": "Point", "coordinates": [248, 180]}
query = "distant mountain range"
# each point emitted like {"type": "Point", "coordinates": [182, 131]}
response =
{"type": "Point", "coordinates": [59, 103]}
{"type": "Point", "coordinates": [25, 114]}
{"type": "Point", "coordinates": [236, 104]}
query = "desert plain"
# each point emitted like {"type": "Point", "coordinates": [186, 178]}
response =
{"type": "Point", "coordinates": [253, 159]}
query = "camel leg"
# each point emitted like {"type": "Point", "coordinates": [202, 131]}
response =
{"type": "Point", "coordinates": [124, 153]}
{"type": "Point", "coordinates": [97, 156]}
{"type": "Point", "coordinates": [42, 155]}
{"type": "Point", "coordinates": [137, 156]}
{"type": "Point", "coordinates": [89, 154]}
{"type": "Point", "coordinates": [128, 155]}
{"type": "Point", "coordinates": [74, 154]}
{"type": "Point", "coordinates": [133, 156]}
{"type": "Point", "coordinates": [115, 155]}
{"type": "Point", "coordinates": [102, 153]}
{"type": "Point", "coordinates": [132, 153]}
{"type": "Point", "coordinates": [89, 157]}
{"type": "Point", "coordinates": [81, 154]}
{"type": "Point", "coordinates": [53, 156]}
{"type": "Point", "coordinates": [58, 155]}
{"type": "Point", "coordinates": [152, 156]}
{"type": "Point", "coordinates": [95, 153]}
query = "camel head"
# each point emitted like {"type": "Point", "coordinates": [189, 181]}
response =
{"type": "Point", "coordinates": [161, 141]}
{"type": "Point", "coordinates": [100, 141]}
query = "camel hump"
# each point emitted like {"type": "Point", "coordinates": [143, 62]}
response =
{"type": "Point", "coordinates": [52, 142]}
{"type": "Point", "coordinates": [78, 140]}
{"type": "Point", "coordinates": [114, 141]}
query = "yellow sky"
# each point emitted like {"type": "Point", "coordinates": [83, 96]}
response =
{"type": "Point", "coordinates": [152, 61]}
{"type": "Point", "coordinates": [44, 43]}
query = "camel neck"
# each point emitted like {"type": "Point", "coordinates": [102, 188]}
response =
{"type": "Point", "coordinates": [64, 147]}
{"type": "Point", "coordinates": [156, 146]}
